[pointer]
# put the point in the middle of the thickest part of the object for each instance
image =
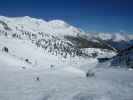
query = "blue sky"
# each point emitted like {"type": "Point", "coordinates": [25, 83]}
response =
{"type": "Point", "coordinates": [90, 15]}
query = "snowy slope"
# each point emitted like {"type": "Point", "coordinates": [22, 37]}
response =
{"type": "Point", "coordinates": [65, 83]}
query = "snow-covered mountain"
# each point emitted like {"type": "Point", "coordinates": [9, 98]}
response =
{"type": "Point", "coordinates": [48, 60]}
{"type": "Point", "coordinates": [52, 35]}
{"type": "Point", "coordinates": [40, 41]}
{"type": "Point", "coordinates": [58, 28]}
{"type": "Point", "coordinates": [61, 39]}
{"type": "Point", "coordinates": [58, 38]}
{"type": "Point", "coordinates": [54, 27]}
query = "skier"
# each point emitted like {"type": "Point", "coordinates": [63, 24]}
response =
{"type": "Point", "coordinates": [23, 67]}
{"type": "Point", "coordinates": [37, 79]}
{"type": "Point", "coordinates": [5, 49]}
{"type": "Point", "coordinates": [52, 66]}
{"type": "Point", "coordinates": [90, 74]}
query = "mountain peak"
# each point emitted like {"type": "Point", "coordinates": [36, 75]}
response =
{"type": "Point", "coordinates": [58, 23]}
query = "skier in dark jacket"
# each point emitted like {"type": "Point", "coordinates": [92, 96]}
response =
{"type": "Point", "coordinates": [90, 74]}
{"type": "Point", "coordinates": [37, 79]}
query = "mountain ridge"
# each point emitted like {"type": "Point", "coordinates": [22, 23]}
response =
{"type": "Point", "coordinates": [57, 36]}
{"type": "Point", "coordinates": [59, 27]}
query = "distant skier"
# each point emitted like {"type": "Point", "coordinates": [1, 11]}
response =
{"type": "Point", "coordinates": [37, 79]}
{"type": "Point", "coordinates": [28, 61]}
{"type": "Point", "coordinates": [5, 49]}
{"type": "Point", "coordinates": [23, 67]}
{"type": "Point", "coordinates": [90, 74]}
{"type": "Point", "coordinates": [52, 66]}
